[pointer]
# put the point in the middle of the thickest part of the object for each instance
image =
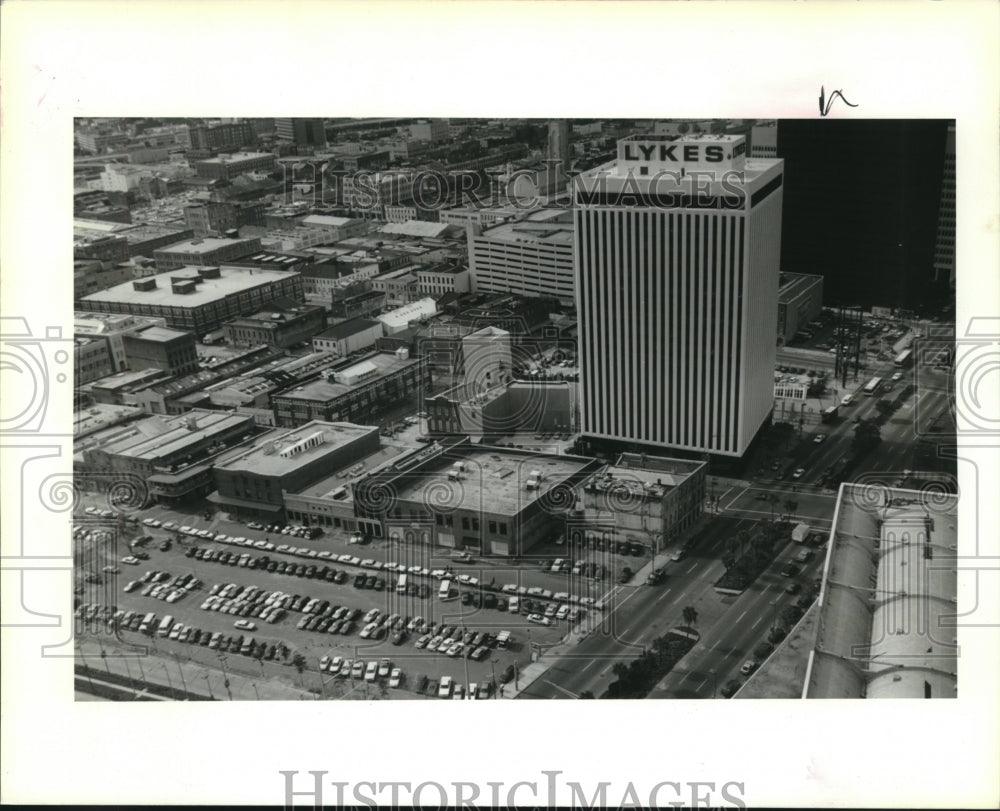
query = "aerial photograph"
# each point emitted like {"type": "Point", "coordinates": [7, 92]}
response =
{"type": "Point", "coordinates": [513, 409]}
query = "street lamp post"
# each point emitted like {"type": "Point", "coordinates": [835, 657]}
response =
{"type": "Point", "coordinates": [181, 671]}
{"type": "Point", "coordinates": [169, 682]}
{"type": "Point", "coordinates": [493, 676]}
{"type": "Point", "coordinates": [208, 681]}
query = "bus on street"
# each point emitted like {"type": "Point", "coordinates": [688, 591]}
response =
{"type": "Point", "coordinates": [873, 386]}
{"type": "Point", "coordinates": [904, 359]}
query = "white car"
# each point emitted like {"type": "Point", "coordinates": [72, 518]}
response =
{"type": "Point", "coordinates": [151, 522]}
{"type": "Point", "coordinates": [445, 686]}
{"type": "Point", "coordinates": [186, 530]}
{"type": "Point", "coordinates": [169, 525]}
{"type": "Point", "coordinates": [538, 619]}
{"type": "Point", "coordinates": [396, 677]}
{"type": "Point", "coordinates": [798, 474]}
{"type": "Point", "coordinates": [562, 612]}
{"type": "Point", "coordinates": [92, 511]}
{"type": "Point", "coordinates": [131, 561]}
{"type": "Point", "coordinates": [819, 438]}
{"type": "Point", "coordinates": [111, 569]}
{"type": "Point", "coordinates": [336, 663]}
{"type": "Point", "coordinates": [245, 625]}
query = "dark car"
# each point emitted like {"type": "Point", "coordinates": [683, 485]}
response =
{"type": "Point", "coordinates": [789, 570]}
{"type": "Point", "coordinates": [489, 600]}
{"type": "Point", "coordinates": [421, 683]}
{"type": "Point", "coordinates": [370, 581]}
{"type": "Point", "coordinates": [379, 584]}
{"type": "Point", "coordinates": [359, 581]}
{"type": "Point", "coordinates": [165, 546]}
{"type": "Point", "coordinates": [310, 571]}
{"type": "Point", "coordinates": [190, 551]}
{"type": "Point", "coordinates": [763, 650]}
{"type": "Point", "coordinates": [730, 688]}
{"type": "Point", "coordinates": [466, 598]}
{"type": "Point", "coordinates": [794, 588]}
{"type": "Point", "coordinates": [507, 675]}
{"type": "Point", "coordinates": [347, 627]}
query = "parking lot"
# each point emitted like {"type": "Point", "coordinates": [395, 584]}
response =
{"type": "Point", "coordinates": [299, 576]}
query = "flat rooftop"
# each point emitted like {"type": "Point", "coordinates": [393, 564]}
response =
{"type": "Point", "coordinates": [201, 245]}
{"type": "Point", "coordinates": [178, 435]}
{"type": "Point", "coordinates": [337, 486]}
{"type": "Point", "coordinates": [236, 157]}
{"type": "Point", "coordinates": [886, 627]}
{"type": "Point", "coordinates": [281, 451]}
{"type": "Point", "coordinates": [323, 391]}
{"type": "Point", "coordinates": [100, 415]}
{"type": "Point", "coordinates": [232, 280]}
{"type": "Point", "coordinates": [326, 221]}
{"type": "Point", "coordinates": [494, 479]}
{"type": "Point", "coordinates": [643, 481]}
{"type": "Point", "coordinates": [162, 334]}
{"type": "Point", "coordinates": [528, 232]}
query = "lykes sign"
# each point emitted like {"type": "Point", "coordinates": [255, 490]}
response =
{"type": "Point", "coordinates": [677, 153]}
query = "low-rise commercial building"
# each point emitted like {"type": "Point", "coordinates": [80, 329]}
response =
{"type": "Point", "coordinates": [113, 327]}
{"type": "Point", "coordinates": [283, 324]}
{"type": "Point", "coordinates": [251, 481]}
{"type": "Point", "coordinates": [197, 299]}
{"type": "Point", "coordinates": [401, 318]}
{"type": "Point", "coordinates": [212, 218]}
{"type": "Point", "coordinates": [355, 390]}
{"type": "Point", "coordinates": [645, 500]}
{"type": "Point", "coordinates": [170, 457]}
{"type": "Point", "coordinates": [497, 502]}
{"type": "Point", "coordinates": [169, 350]}
{"type": "Point", "coordinates": [437, 280]}
{"type": "Point", "coordinates": [229, 166]}
{"type": "Point", "coordinates": [91, 275]}
{"type": "Point", "coordinates": [91, 359]}
{"type": "Point", "coordinates": [348, 336]}
{"type": "Point", "coordinates": [204, 251]}
{"type": "Point", "coordinates": [800, 300]}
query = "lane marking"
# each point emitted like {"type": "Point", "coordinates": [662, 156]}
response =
{"type": "Point", "coordinates": [561, 689]}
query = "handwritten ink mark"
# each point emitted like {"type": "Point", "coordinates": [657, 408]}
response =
{"type": "Point", "coordinates": [825, 104]}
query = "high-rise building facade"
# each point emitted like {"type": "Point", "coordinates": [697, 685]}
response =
{"type": "Point", "coordinates": [301, 131]}
{"type": "Point", "coordinates": [944, 246]}
{"type": "Point", "coordinates": [678, 244]}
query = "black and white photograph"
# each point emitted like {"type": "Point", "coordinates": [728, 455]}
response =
{"type": "Point", "coordinates": [514, 409]}
{"type": "Point", "coordinates": [392, 359]}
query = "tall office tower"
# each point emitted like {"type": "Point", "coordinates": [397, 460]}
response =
{"type": "Point", "coordinates": [301, 131]}
{"type": "Point", "coordinates": [677, 250]}
{"type": "Point", "coordinates": [553, 179]}
{"type": "Point", "coordinates": [944, 247]}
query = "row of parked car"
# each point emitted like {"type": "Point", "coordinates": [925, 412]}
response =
{"type": "Point", "coordinates": [161, 586]}
{"type": "Point", "coordinates": [370, 671]}
{"type": "Point", "coordinates": [194, 532]}
{"type": "Point", "coordinates": [374, 581]}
